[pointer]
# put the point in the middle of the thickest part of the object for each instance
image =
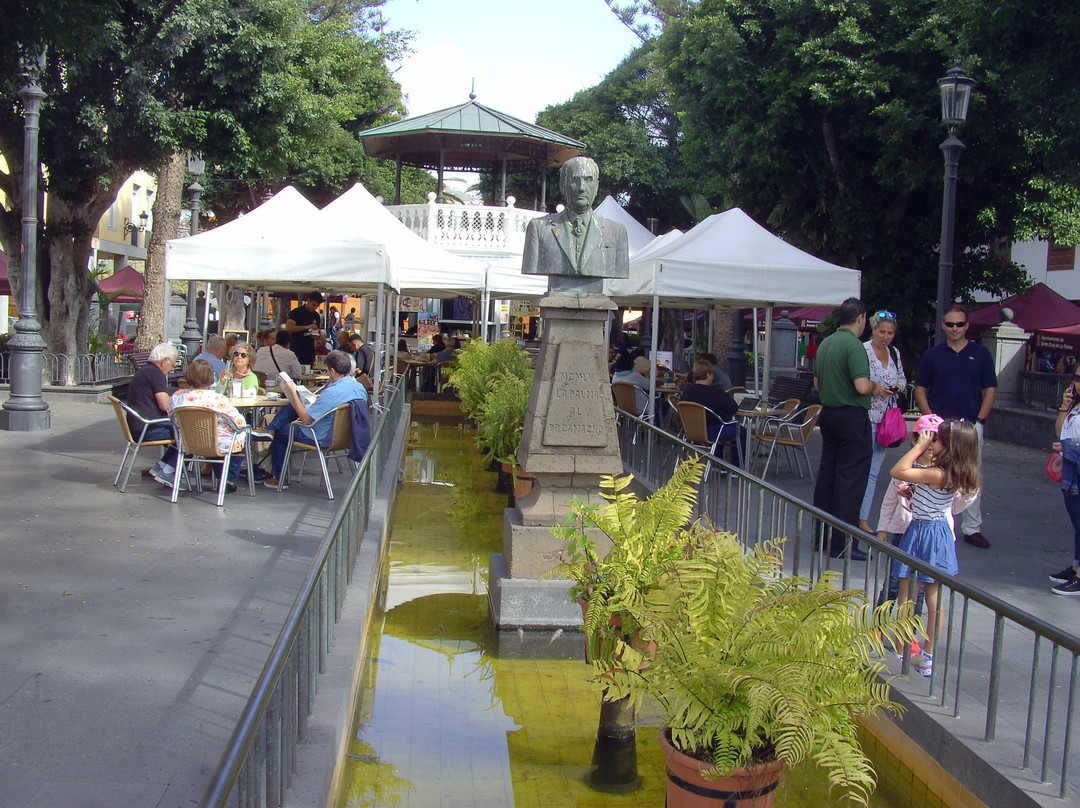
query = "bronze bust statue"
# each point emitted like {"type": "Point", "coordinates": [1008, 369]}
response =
{"type": "Point", "coordinates": [576, 247]}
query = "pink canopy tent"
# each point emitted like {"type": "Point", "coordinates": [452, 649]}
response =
{"type": "Point", "coordinates": [5, 286]}
{"type": "Point", "coordinates": [1064, 340]}
{"type": "Point", "coordinates": [128, 282]}
{"type": "Point", "coordinates": [1038, 308]}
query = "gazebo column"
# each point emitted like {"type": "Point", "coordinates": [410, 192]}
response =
{"type": "Point", "coordinates": [543, 185]}
{"type": "Point", "coordinates": [397, 181]}
{"type": "Point", "coordinates": [502, 186]}
{"type": "Point", "coordinates": [442, 163]}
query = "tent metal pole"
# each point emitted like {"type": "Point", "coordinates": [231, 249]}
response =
{"type": "Point", "coordinates": [768, 348]}
{"type": "Point", "coordinates": [754, 350]}
{"type": "Point", "coordinates": [655, 348]}
{"type": "Point", "coordinates": [379, 316]}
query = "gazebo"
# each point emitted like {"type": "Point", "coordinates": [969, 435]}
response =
{"type": "Point", "coordinates": [470, 137]}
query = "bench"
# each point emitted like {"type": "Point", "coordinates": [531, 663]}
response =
{"type": "Point", "coordinates": [138, 359]}
{"type": "Point", "coordinates": [785, 387]}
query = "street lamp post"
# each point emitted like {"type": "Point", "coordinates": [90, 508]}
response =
{"type": "Point", "coordinates": [25, 410]}
{"type": "Point", "coordinates": [192, 335]}
{"type": "Point", "coordinates": [955, 95]}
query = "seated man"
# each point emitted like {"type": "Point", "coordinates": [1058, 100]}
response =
{"type": "Point", "coordinates": [148, 395]}
{"type": "Point", "coordinates": [276, 357]}
{"type": "Point", "coordinates": [214, 353]}
{"type": "Point", "coordinates": [719, 402]}
{"type": "Point", "coordinates": [342, 389]}
{"type": "Point", "coordinates": [364, 357]}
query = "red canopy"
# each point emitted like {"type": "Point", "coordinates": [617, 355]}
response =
{"type": "Point", "coordinates": [1064, 340]}
{"type": "Point", "coordinates": [806, 318]}
{"type": "Point", "coordinates": [5, 287]}
{"type": "Point", "coordinates": [1038, 308]}
{"type": "Point", "coordinates": [128, 282]}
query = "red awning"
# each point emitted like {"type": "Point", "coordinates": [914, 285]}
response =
{"type": "Point", "coordinates": [127, 282]}
{"type": "Point", "coordinates": [1064, 340]}
{"type": "Point", "coordinates": [1037, 309]}
{"type": "Point", "coordinates": [806, 318]}
{"type": "Point", "coordinates": [5, 287]}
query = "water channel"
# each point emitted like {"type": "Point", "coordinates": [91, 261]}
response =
{"type": "Point", "coordinates": [451, 716]}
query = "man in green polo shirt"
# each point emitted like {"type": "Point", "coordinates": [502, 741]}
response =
{"type": "Point", "coordinates": [842, 379]}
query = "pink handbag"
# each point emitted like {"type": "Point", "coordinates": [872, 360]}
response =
{"type": "Point", "coordinates": [892, 431]}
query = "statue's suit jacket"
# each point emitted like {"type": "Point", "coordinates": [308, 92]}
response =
{"type": "Point", "coordinates": [549, 248]}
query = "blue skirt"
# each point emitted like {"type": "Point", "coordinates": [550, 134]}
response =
{"type": "Point", "coordinates": [929, 540]}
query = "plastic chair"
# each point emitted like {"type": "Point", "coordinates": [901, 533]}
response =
{"type": "Point", "coordinates": [196, 429]}
{"type": "Point", "coordinates": [694, 419]}
{"type": "Point", "coordinates": [302, 439]}
{"type": "Point", "coordinates": [134, 444]}
{"type": "Point", "coordinates": [791, 433]}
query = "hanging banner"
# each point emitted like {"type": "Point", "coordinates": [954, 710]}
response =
{"type": "Point", "coordinates": [409, 303]}
{"type": "Point", "coordinates": [427, 326]}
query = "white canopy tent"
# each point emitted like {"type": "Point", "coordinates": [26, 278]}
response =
{"type": "Point", "coordinates": [729, 259]}
{"type": "Point", "coordinates": [418, 267]}
{"type": "Point", "coordinates": [637, 234]}
{"type": "Point", "coordinates": [271, 248]}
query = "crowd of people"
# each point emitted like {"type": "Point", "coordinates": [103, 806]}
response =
{"type": "Point", "coordinates": [227, 366]}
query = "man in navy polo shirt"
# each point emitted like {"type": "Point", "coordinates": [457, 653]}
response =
{"type": "Point", "coordinates": [957, 380]}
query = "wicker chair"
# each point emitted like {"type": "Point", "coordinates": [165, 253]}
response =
{"type": "Point", "coordinates": [694, 419]}
{"type": "Point", "coordinates": [196, 428]}
{"type": "Point", "coordinates": [302, 439]}
{"type": "Point", "coordinates": [131, 451]}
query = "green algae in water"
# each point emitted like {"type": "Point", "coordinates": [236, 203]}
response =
{"type": "Point", "coordinates": [442, 720]}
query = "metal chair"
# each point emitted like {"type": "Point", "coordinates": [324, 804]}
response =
{"type": "Point", "coordinates": [134, 444]}
{"type": "Point", "coordinates": [302, 439]}
{"type": "Point", "coordinates": [694, 419]}
{"type": "Point", "coordinates": [196, 430]}
{"type": "Point", "coordinates": [791, 433]}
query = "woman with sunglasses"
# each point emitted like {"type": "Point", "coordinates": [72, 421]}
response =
{"type": "Point", "coordinates": [886, 370]}
{"type": "Point", "coordinates": [240, 370]}
{"type": "Point", "coordinates": [1067, 427]}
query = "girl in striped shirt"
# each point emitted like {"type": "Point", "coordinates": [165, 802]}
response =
{"type": "Point", "coordinates": [954, 447]}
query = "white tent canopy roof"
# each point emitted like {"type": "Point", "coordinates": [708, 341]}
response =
{"type": "Point", "coordinates": [418, 267]}
{"type": "Point", "coordinates": [272, 248]}
{"type": "Point", "coordinates": [729, 259]}
{"type": "Point", "coordinates": [637, 234]}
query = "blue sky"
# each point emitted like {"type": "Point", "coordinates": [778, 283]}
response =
{"type": "Point", "coordinates": [523, 54]}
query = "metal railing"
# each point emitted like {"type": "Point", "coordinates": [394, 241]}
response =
{"type": "Point", "coordinates": [976, 675]}
{"type": "Point", "coordinates": [58, 369]}
{"type": "Point", "coordinates": [260, 758]}
{"type": "Point", "coordinates": [1043, 390]}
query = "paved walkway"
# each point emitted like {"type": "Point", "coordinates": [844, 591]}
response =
{"type": "Point", "coordinates": [131, 629]}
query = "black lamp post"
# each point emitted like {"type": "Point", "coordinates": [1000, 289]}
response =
{"type": "Point", "coordinates": [192, 335]}
{"type": "Point", "coordinates": [25, 410]}
{"type": "Point", "coordinates": [955, 95]}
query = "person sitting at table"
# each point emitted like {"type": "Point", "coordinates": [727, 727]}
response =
{"type": "Point", "coordinates": [437, 344]}
{"type": "Point", "coordinates": [342, 389]}
{"type": "Point", "coordinates": [148, 395]}
{"type": "Point", "coordinates": [364, 359]}
{"type": "Point", "coordinates": [276, 357]}
{"type": "Point", "coordinates": [230, 422]}
{"type": "Point", "coordinates": [720, 379]}
{"type": "Point", "coordinates": [214, 353]}
{"type": "Point", "coordinates": [626, 372]}
{"type": "Point", "coordinates": [722, 407]}
{"type": "Point", "coordinates": [240, 371]}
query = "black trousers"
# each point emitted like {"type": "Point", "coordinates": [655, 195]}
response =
{"type": "Point", "coordinates": [846, 449]}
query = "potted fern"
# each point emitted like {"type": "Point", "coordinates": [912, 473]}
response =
{"type": "Point", "coordinates": [754, 671]}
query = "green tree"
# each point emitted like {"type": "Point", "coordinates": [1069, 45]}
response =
{"type": "Point", "coordinates": [267, 87]}
{"type": "Point", "coordinates": [821, 119]}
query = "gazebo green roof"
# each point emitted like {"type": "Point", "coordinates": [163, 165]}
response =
{"type": "Point", "coordinates": [469, 137]}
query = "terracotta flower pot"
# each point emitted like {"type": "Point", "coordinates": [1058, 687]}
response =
{"type": "Point", "coordinates": [752, 787]}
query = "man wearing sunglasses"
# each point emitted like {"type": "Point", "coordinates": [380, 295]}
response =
{"type": "Point", "coordinates": [957, 380]}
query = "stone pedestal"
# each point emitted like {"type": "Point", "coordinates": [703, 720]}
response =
{"type": "Point", "coordinates": [569, 442]}
{"type": "Point", "coordinates": [1007, 343]}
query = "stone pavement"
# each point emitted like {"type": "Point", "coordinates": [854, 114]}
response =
{"type": "Point", "coordinates": [131, 630]}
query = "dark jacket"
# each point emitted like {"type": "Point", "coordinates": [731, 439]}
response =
{"type": "Point", "coordinates": [361, 429]}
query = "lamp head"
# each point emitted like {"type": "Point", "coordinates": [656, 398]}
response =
{"type": "Point", "coordinates": [955, 96]}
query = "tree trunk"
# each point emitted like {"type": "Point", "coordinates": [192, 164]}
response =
{"type": "Point", "coordinates": [233, 315]}
{"type": "Point", "coordinates": [170, 190]}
